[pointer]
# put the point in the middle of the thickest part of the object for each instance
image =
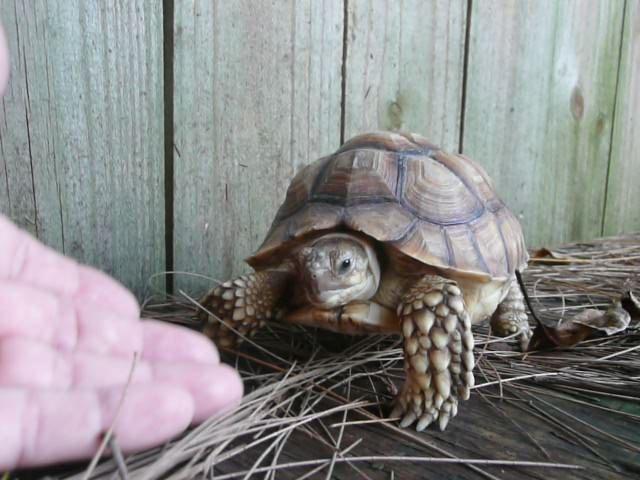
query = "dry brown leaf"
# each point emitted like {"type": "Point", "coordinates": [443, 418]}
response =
{"type": "Point", "coordinates": [564, 335]}
{"type": "Point", "coordinates": [545, 253]}
{"type": "Point", "coordinates": [615, 319]}
{"type": "Point", "coordinates": [586, 324]}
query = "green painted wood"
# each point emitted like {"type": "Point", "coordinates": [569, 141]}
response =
{"type": "Point", "coordinates": [404, 67]}
{"type": "Point", "coordinates": [539, 104]}
{"type": "Point", "coordinates": [622, 213]}
{"type": "Point", "coordinates": [81, 131]}
{"type": "Point", "coordinates": [257, 95]}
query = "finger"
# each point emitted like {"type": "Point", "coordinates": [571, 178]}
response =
{"type": "Point", "coordinates": [45, 427]}
{"type": "Point", "coordinates": [26, 260]}
{"type": "Point", "coordinates": [214, 389]}
{"type": "Point", "coordinates": [163, 341]}
{"type": "Point", "coordinates": [26, 363]}
{"type": "Point", "coordinates": [30, 312]}
{"type": "Point", "coordinates": [105, 331]}
{"type": "Point", "coordinates": [100, 289]}
{"type": "Point", "coordinates": [31, 364]}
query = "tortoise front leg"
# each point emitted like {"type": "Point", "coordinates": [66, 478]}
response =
{"type": "Point", "coordinates": [438, 352]}
{"type": "Point", "coordinates": [243, 305]}
{"type": "Point", "coordinates": [511, 317]}
{"type": "Point", "coordinates": [355, 318]}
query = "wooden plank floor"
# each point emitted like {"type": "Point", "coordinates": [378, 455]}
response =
{"type": "Point", "coordinates": [485, 428]}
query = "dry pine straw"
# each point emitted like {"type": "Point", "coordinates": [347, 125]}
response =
{"type": "Point", "coordinates": [301, 385]}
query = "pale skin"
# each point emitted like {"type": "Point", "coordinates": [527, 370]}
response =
{"type": "Point", "coordinates": [68, 337]}
{"type": "Point", "coordinates": [337, 281]}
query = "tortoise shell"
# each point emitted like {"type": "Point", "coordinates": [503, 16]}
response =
{"type": "Point", "coordinates": [436, 207]}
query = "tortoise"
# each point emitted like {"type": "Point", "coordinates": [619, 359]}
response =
{"type": "Point", "coordinates": [388, 234]}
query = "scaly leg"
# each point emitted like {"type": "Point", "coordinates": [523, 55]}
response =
{"type": "Point", "coordinates": [438, 352]}
{"type": "Point", "coordinates": [511, 317]}
{"type": "Point", "coordinates": [243, 305]}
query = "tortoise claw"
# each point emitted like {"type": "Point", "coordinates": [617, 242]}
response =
{"type": "Point", "coordinates": [397, 411]}
{"type": "Point", "coordinates": [408, 419]}
{"type": "Point", "coordinates": [424, 421]}
{"type": "Point", "coordinates": [443, 421]}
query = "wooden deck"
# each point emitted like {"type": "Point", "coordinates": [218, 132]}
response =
{"type": "Point", "coordinates": [511, 429]}
{"type": "Point", "coordinates": [482, 430]}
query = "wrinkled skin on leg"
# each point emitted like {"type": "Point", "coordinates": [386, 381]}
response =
{"type": "Point", "coordinates": [356, 318]}
{"type": "Point", "coordinates": [438, 351]}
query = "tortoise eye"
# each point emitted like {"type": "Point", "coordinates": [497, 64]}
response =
{"type": "Point", "coordinates": [344, 265]}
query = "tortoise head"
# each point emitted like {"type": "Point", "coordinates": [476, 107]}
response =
{"type": "Point", "coordinates": [336, 269]}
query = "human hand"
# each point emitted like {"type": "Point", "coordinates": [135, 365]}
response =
{"type": "Point", "coordinates": [68, 336]}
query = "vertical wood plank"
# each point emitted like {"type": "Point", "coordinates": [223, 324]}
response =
{"type": "Point", "coordinates": [17, 197]}
{"type": "Point", "coordinates": [81, 131]}
{"type": "Point", "coordinates": [622, 213]}
{"type": "Point", "coordinates": [539, 105]}
{"type": "Point", "coordinates": [404, 67]}
{"type": "Point", "coordinates": [257, 95]}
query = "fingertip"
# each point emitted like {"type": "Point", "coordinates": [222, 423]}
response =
{"type": "Point", "coordinates": [150, 415]}
{"type": "Point", "coordinates": [166, 342]}
{"type": "Point", "coordinates": [220, 392]}
{"type": "Point", "coordinates": [225, 393]}
{"type": "Point", "coordinates": [214, 389]}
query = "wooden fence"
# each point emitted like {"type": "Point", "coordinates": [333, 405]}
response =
{"type": "Point", "coordinates": [143, 136]}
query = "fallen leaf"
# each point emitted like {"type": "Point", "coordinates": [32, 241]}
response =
{"type": "Point", "coordinates": [564, 335]}
{"type": "Point", "coordinates": [615, 319]}
{"type": "Point", "coordinates": [544, 255]}
{"type": "Point", "coordinates": [586, 324]}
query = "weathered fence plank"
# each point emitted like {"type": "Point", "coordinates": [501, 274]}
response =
{"type": "Point", "coordinates": [257, 95]}
{"type": "Point", "coordinates": [622, 213]}
{"type": "Point", "coordinates": [539, 105]}
{"type": "Point", "coordinates": [81, 131]}
{"type": "Point", "coordinates": [404, 67]}
{"type": "Point", "coordinates": [258, 92]}
{"type": "Point", "coordinates": [17, 197]}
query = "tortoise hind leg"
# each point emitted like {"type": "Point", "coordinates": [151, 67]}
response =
{"type": "Point", "coordinates": [438, 352]}
{"type": "Point", "coordinates": [241, 306]}
{"type": "Point", "coordinates": [511, 317]}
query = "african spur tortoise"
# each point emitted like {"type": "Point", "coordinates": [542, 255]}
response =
{"type": "Point", "coordinates": [388, 234]}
